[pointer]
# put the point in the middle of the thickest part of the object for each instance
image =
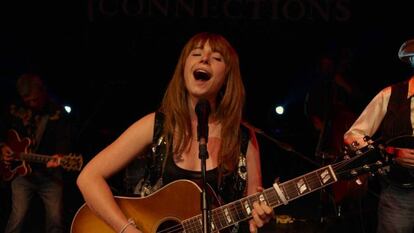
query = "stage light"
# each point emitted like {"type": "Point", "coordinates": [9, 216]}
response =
{"type": "Point", "coordinates": [279, 110]}
{"type": "Point", "coordinates": [68, 108]}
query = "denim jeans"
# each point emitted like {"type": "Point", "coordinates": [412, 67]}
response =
{"type": "Point", "coordinates": [396, 210]}
{"type": "Point", "coordinates": [50, 192]}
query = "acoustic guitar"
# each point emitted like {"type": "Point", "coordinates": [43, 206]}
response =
{"type": "Point", "coordinates": [176, 206]}
{"type": "Point", "coordinates": [21, 158]}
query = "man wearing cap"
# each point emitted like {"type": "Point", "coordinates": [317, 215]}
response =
{"type": "Point", "coordinates": [390, 115]}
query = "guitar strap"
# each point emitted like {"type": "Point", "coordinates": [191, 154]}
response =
{"type": "Point", "coordinates": [40, 130]}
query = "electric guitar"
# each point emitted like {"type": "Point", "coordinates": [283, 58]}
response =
{"type": "Point", "coordinates": [398, 175]}
{"type": "Point", "coordinates": [21, 158]}
{"type": "Point", "coordinates": [176, 206]}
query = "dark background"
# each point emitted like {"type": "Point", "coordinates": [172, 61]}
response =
{"type": "Point", "coordinates": [111, 61]}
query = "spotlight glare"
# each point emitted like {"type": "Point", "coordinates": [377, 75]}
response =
{"type": "Point", "coordinates": [279, 110]}
{"type": "Point", "coordinates": [68, 109]}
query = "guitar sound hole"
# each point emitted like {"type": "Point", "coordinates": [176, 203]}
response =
{"type": "Point", "coordinates": [170, 226]}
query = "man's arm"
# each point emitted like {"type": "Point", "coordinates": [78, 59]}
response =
{"type": "Point", "coordinates": [370, 119]}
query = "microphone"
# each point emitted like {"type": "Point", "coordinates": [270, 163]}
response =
{"type": "Point", "coordinates": [202, 110]}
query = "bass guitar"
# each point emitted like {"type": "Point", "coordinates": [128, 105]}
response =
{"type": "Point", "coordinates": [176, 206]}
{"type": "Point", "coordinates": [21, 158]}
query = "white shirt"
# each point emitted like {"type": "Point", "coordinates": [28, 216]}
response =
{"type": "Point", "coordinates": [370, 119]}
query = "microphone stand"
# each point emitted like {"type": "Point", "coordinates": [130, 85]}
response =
{"type": "Point", "coordinates": [205, 203]}
{"type": "Point", "coordinates": [288, 148]}
{"type": "Point", "coordinates": [282, 145]}
{"type": "Point", "coordinates": [202, 110]}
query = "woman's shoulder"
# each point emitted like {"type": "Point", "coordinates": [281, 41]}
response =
{"type": "Point", "coordinates": [148, 118]}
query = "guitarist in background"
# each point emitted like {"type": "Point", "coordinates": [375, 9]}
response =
{"type": "Point", "coordinates": [390, 113]}
{"type": "Point", "coordinates": [330, 105]}
{"type": "Point", "coordinates": [208, 68]}
{"type": "Point", "coordinates": [36, 117]}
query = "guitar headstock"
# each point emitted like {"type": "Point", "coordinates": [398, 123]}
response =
{"type": "Point", "coordinates": [72, 162]}
{"type": "Point", "coordinates": [362, 160]}
{"type": "Point", "coordinates": [374, 168]}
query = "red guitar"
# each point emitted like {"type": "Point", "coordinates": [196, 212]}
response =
{"type": "Point", "coordinates": [21, 158]}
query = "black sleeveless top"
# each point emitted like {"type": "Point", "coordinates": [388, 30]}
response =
{"type": "Point", "coordinates": [161, 169]}
{"type": "Point", "coordinates": [173, 172]}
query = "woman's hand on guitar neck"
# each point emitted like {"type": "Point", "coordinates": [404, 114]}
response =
{"type": "Point", "coordinates": [54, 162]}
{"type": "Point", "coordinates": [403, 156]}
{"type": "Point", "coordinates": [262, 213]}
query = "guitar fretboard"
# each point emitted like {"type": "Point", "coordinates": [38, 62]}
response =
{"type": "Point", "coordinates": [234, 212]}
{"type": "Point", "coordinates": [68, 162]}
{"type": "Point", "coordinates": [37, 158]}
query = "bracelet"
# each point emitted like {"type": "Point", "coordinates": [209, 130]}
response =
{"type": "Point", "coordinates": [130, 222]}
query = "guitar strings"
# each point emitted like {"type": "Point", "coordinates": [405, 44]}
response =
{"type": "Point", "coordinates": [233, 208]}
{"type": "Point", "coordinates": [172, 229]}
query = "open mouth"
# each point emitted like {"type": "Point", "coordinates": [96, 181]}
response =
{"type": "Point", "coordinates": [202, 75]}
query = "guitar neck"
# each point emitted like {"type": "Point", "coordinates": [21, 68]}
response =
{"type": "Point", "coordinates": [35, 158]}
{"type": "Point", "coordinates": [241, 210]}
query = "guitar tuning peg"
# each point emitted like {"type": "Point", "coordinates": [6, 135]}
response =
{"type": "Point", "coordinates": [355, 144]}
{"type": "Point", "coordinates": [354, 172]}
{"type": "Point", "coordinates": [367, 139]}
{"type": "Point", "coordinates": [346, 149]}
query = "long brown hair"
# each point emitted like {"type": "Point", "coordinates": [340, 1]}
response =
{"type": "Point", "coordinates": [229, 102]}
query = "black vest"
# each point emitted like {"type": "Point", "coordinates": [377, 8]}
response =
{"type": "Point", "coordinates": [397, 120]}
